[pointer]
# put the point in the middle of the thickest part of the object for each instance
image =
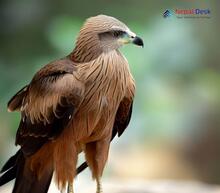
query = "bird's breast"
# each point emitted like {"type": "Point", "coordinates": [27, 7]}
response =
{"type": "Point", "coordinates": [105, 86]}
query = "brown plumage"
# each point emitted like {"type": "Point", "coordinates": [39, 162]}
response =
{"type": "Point", "coordinates": [78, 103]}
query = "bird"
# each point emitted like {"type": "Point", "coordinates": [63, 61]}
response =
{"type": "Point", "coordinates": [75, 104]}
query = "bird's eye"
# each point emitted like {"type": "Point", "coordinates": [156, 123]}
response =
{"type": "Point", "coordinates": [118, 33]}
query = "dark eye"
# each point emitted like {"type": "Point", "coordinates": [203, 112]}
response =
{"type": "Point", "coordinates": [118, 33]}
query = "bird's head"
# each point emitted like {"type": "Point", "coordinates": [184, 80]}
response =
{"type": "Point", "coordinates": [104, 33]}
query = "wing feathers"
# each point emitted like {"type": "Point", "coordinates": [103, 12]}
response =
{"type": "Point", "coordinates": [52, 97]}
{"type": "Point", "coordinates": [32, 135]}
{"type": "Point", "coordinates": [123, 116]}
{"type": "Point", "coordinates": [45, 94]}
{"type": "Point", "coordinates": [15, 102]}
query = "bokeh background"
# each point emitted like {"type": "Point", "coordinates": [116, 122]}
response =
{"type": "Point", "coordinates": [175, 129]}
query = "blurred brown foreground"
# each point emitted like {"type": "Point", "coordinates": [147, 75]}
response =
{"type": "Point", "coordinates": [137, 186]}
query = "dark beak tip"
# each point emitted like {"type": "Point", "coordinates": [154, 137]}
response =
{"type": "Point", "coordinates": [138, 41]}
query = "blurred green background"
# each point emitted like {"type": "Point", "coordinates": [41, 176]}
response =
{"type": "Point", "coordinates": [175, 128]}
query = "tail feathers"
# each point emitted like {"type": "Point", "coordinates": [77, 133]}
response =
{"type": "Point", "coordinates": [26, 181]}
{"type": "Point", "coordinates": [8, 176]}
{"type": "Point", "coordinates": [11, 162]}
{"type": "Point", "coordinates": [9, 170]}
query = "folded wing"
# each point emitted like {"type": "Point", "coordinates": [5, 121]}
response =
{"type": "Point", "coordinates": [47, 105]}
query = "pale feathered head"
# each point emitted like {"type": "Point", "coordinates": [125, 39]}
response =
{"type": "Point", "coordinates": [102, 34]}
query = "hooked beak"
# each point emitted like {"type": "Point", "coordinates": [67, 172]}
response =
{"type": "Point", "coordinates": [138, 41]}
{"type": "Point", "coordinates": [131, 37]}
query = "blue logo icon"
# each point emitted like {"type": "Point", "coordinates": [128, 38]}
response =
{"type": "Point", "coordinates": [167, 14]}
